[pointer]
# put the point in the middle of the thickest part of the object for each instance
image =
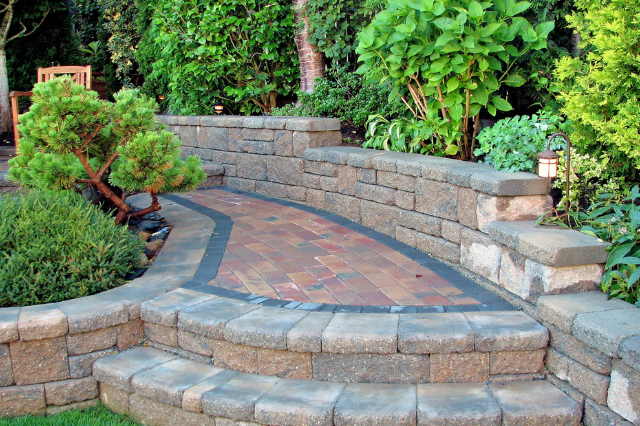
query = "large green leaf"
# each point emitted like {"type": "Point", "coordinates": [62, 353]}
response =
{"type": "Point", "coordinates": [501, 104]}
{"type": "Point", "coordinates": [475, 10]}
{"type": "Point", "coordinates": [514, 80]}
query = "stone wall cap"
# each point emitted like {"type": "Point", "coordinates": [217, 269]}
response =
{"type": "Point", "coordinates": [549, 245]}
{"type": "Point", "coordinates": [333, 155]}
{"type": "Point", "coordinates": [306, 124]}
{"type": "Point", "coordinates": [561, 309]}
{"type": "Point", "coordinates": [505, 184]}
{"type": "Point", "coordinates": [606, 330]}
{"type": "Point", "coordinates": [630, 352]}
{"type": "Point", "coordinates": [9, 324]}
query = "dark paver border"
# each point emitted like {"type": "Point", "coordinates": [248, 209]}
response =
{"type": "Point", "coordinates": [208, 268]}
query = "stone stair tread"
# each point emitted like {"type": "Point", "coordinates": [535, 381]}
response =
{"type": "Point", "coordinates": [168, 383]}
{"type": "Point", "coordinates": [549, 245]}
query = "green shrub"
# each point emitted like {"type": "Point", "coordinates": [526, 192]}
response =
{"type": "Point", "coordinates": [446, 59]}
{"type": "Point", "coordinates": [617, 222]}
{"type": "Point", "coordinates": [342, 95]}
{"type": "Point", "coordinates": [511, 144]}
{"type": "Point", "coordinates": [239, 52]}
{"type": "Point", "coordinates": [73, 140]}
{"type": "Point", "coordinates": [54, 246]}
{"type": "Point", "coordinates": [600, 90]}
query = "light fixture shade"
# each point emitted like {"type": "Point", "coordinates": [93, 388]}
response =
{"type": "Point", "coordinates": [548, 164]}
{"type": "Point", "coordinates": [218, 108]}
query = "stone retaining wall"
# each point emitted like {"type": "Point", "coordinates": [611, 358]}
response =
{"type": "Point", "coordinates": [409, 348]}
{"type": "Point", "coordinates": [459, 212]}
{"type": "Point", "coordinates": [47, 351]}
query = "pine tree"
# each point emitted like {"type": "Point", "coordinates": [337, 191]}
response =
{"type": "Point", "coordinates": [73, 140]}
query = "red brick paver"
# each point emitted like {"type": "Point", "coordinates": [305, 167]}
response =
{"type": "Point", "coordinates": [285, 253]}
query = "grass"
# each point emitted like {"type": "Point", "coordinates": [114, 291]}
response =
{"type": "Point", "coordinates": [93, 416]}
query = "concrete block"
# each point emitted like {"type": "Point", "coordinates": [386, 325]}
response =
{"type": "Point", "coordinates": [600, 415]}
{"type": "Point", "coordinates": [405, 200]}
{"type": "Point", "coordinates": [362, 333]}
{"type": "Point", "coordinates": [492, 209]}
{"type": "Point", "coordinates": [435, 333]}
{"type": "Point", "coordinates": [210, 318]}
{"type": "Point", "coordinates": [467, 207]}
{"type": "Point", "coordinates": [261, 134]}
{"type": "Point", "coordinates": [606, 330]}
{"type": "Point", "coordinates": [541, 279]}
{"type": "Point", "coordinates": [511, 275]}
{"type": "Point", "coordinates": [371, 368]}
{"type": "Point", "coordinates": [561, 310]}
{"type": "Point", "coordinates": [437, 199]}
{"type": "Point", "coordinates": [299, 403]}
{"type": "Point", "coordinates": [334, 154]}
{"type": "Point", "coordinates": [39, 361]}
{"type": "Point", "coordinates": [396, 181]}
{"type": "Point", "coordinates": [213, 138]}
{"type": "Point", "coordinates": [234, 357]}
{"type": "Point", "coordinates": [283, 143]}
{"type": "Point", "coordinates": [630, 352]}
{"type": "Point", "coordinates": [69, 391]}
{"type": "Point", "coordinates": [367, 176]}
{"type": "Point", "coordinates": [517, 362]}
{"type": "Point", "coordinates": [451, 231]}
{"type": "Point", "coordinates": [265, 327]}
{"type": "Point", "coordinates": [317, 199]}
{"type": "Point", "coordinates": [459, 367]}
{"type": "Point", "coordinates": [92, 341]}
{"type": "Point", "coordinates": [537, 403]}
{"type": "Point", "coordinates": [480, 254]}
{"type": "Point", "coordinates": [163, 310]}
{"type": "Point", "coordinates": [549, 245]}
{"type": "Point", "coordinates": [297, 193]}
{"type": "Point", "coordinates": [22, 400]}
{"type": "Point", "coordinates": [303, 140]}
{"type": "Point", "coordinates": [362, 158]}
{"type": "Point", "coordinates": [114, 398]}
{"type": "Point", "coordinates": [154, 413]}
{"type": "Point", "coordinates": [507, 331]}
{"type": "Point", "coordinates": [329, 184]}
{"type": "Point", "coordinates": [508, 184]}
{"type": "Point", "coordinates": [623, 397]}
{"type": "Point", "coordinates": [42, 322]}
{"type": "Point", "coordinates": [241, 184]}
{"type": "Point", "coordinates": [438, 247]}
{"type": "Point", "coordinates": [420, 222]}
{"type": "Point", "coordinates": [574, 348]}
{"type": "Point", "coordinates": [376, 193]}
{"type": "Point", "coordinates": [117, 370]}
{"type": "Point", "coordinates": [379, 217]}
{"type": "Point", "coordinates": [6, 375]}
{"type": "Point", "coordinates": [463, 404]}
{"type": "Point", "coordinates": [167, 336]}
{"type": "Point", "coordinates": [83, 314]}
{"type": "Point", "coordinates": [275, 122]}
{"type": "Point", "coordinates": [306, 335]}
{"type": "Point", "coordinates": [52, 410]}
{"type": "Point", "coordinates": [236, 398]}
{"type": "Point", "coordinates": [285, 170]}
{"type": "Point", "coordinates": [129, 334]}
{"type": "Point", "coordinates": [195, 343]}
{"type": "Point", "coordinates": [9, 324]}
{"type": "Point", "coordinates": [306, 124]}
{"type": "Point", "coordinates": [343, 205]}
{"type": "Point", "coordinates": [320, 168]}
{"type": "Point", "coordinates": [192, 397]}
{"type": "Point", "coordinates": [276, 190]}
{"type": "Point", "coordinates": [167, 382]}
{"type": "Point", "coordinates": [82, 365]}
{"type": "Point", "coordinates": [376, 404]}
{"type": "Point", "coordinates": [252, 166]}
{"type": "Point", "coordinates": [293, 365]}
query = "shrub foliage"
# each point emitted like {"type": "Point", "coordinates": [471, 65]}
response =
{"type": "Point", "coordinates": [55, 246]}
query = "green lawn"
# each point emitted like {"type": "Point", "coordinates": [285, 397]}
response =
{"type": "Point", "coordinates": [95, 416]}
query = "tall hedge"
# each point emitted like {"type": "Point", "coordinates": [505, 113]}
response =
{"type": "Point", "coordinates": [239, 52]}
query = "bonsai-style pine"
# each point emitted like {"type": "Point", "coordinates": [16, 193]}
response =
{"type": "Point", "coordinates": [74, 141]}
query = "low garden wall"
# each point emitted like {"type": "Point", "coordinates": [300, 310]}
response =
{"type": "Point", "coordinates": [47, 351]}
{"type": "Point", "coordinates": [464, 213]}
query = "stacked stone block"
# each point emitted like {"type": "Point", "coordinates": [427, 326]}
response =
{"type": "Point", "coordinates": [383, 348]}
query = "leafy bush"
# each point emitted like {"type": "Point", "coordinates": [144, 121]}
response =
{"type": "Point", "coordinates": [446, 59]}
{"type": "Point", "coordinates": [242, 52]}
{"type": "Point", "coordinates": [511, 144]}
{"type": "Point", "coordinates": [342, 95]}
{"type": "Point", "coordinates": [119, 20]}
{"type": "Point", "coordinates": [401, 134]}
{"type": "Point", "coordinates": [55, 246]}
{"type": "Point", "coordinates": [589, 179]}
{"type": "Point", "coordinates": [618, 223]}
{"type": "Point", "coordinates": [73, 140]}
{"type": "Point", "coordinates": [600, 90]}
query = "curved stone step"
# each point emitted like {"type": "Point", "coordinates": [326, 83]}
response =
{"type": "Point", "coordinates": [162, 389]}
{"type": "Point", "coordinates": [382, 348]}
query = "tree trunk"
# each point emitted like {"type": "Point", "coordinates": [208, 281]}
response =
{"type": "Point", "coordinates": [5, 108]}
{"type": "Point", "coordinates": [311, 61]}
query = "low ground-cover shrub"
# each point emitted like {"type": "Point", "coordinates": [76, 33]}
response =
{"type": "Point", "coordinates": [342, 95]}
{"type": "Point", "coordinates": [55, 246]}
{"type": "Point", "coordinates": [617, 222]}
{"type": "Point", "coordinates": [511, 144]}
{"type": "Point", "coordinates": [94, 416]}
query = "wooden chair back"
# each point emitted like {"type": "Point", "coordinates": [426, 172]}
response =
{"type": "Point", "coordinates": [79, 75]}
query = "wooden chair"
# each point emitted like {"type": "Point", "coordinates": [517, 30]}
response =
{"type": "Point", "coordinates": [79, 75]}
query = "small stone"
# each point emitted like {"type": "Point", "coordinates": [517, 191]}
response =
{"type": "Point", "coordinates": [144, 236]}
{"type": "Point", "coordinates": [154, 245]}
{"type": "Point", "coordinates": [143, 260]}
